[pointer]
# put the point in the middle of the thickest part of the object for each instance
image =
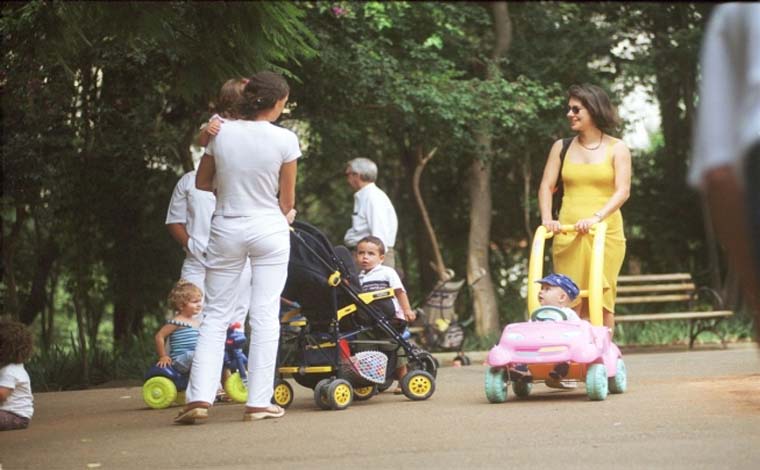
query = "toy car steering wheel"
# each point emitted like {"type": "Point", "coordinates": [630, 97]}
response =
{"type": "Point", "coordinates": [548, 313]}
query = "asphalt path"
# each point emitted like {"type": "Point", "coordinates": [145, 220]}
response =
{"type": "Point", "coordinates": [683, 409]}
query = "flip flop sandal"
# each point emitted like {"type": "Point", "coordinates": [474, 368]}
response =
{"type": "Point", "coordinates": [191, 415]}
{"type": "Point", "coordinates": [272, 412]}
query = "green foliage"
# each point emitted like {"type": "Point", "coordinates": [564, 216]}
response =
{"type": "Point", "coordinates": [100, 104]}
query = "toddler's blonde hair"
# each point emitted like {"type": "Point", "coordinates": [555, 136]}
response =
{"type": "Point", "coordinates": [183, 293]}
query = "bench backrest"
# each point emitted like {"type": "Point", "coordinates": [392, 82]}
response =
{"type": "Point", "coordinates": [652, 288]}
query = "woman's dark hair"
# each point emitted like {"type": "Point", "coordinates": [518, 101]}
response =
{"type": "Point", "coordinates": [261, 93]}
{"type": "Point", "coordinates": [16, 343]}
{"type": "Point", "coordinates": [598, 104]}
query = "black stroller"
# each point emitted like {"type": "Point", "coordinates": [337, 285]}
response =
{"type": "Point", "coordinates": [323, 331]}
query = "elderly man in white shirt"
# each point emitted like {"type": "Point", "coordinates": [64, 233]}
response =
{"type": "Point", "coordinates": [373, 211]}
{"type": "Point", "coordinates": [726, 142]}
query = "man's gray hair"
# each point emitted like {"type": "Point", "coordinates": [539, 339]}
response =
{"type": "Point", "coordinates": [365, 168]}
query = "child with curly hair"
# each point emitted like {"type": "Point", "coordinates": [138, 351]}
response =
{"type": "Point", "coordinates": [16, 401]}
{"type": "Point", "coordinates": [182, 330]}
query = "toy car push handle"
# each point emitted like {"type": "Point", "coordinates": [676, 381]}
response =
{"type": "Point", "coordinates": [596, 276]}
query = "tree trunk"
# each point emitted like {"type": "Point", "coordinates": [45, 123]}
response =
{"type": "Point", "coordinates": [35, 304]}
{"type": "Point", "coordinates": [9, 252]}
{"type": "Point", "coordinates": [438, 264]}
{"type": "Point", "coordinates": [478, 249]}
{"type": "Point", "coordinates": [79, 302]}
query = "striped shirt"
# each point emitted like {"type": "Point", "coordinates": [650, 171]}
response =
{"type": "Point", "coordinates": [183, 339]}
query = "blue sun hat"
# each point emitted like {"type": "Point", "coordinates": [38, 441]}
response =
{"type": "Point", "coordinates": [563, 282]}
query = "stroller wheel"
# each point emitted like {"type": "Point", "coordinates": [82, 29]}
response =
{"type": "Point", "coordinates": [365, 393]}
{"type": "Point", "coordinates": [340, 394]}
{"type": "Point", "coordinates": [463, 359]}
{"type": "Point", "coordinates": [320, 394]}
{"type": "Point", "coordinates": [418, 385]}
{"type": "Point", "coordinates": [283, 393]}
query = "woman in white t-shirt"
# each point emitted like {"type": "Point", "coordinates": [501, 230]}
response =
{"type": "Point", "coordinates": [16, 401]}
{"type": "Point", "coordinates": [254, 165]}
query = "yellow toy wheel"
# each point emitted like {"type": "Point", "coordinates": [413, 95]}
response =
{"type": "Point", "coordinates": [418, 385]}
{"type": "Point", "coordinates": [340, 394]}
{"type": "Point", "coordinates": [235, 388]}
{"type": "Point", "coordinates": [159, 392]}
{"type": "Point", "coordinates": [283, 394]}
{"type": "Point", "coordinates": [365, 393]}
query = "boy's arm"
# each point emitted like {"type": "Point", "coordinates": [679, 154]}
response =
{"type": "Point", "coordinates": [403, 301]}
{"type": "Point", "coordinates": [163, 358]}
{"type": "Point", "coordinates": [5, 392]}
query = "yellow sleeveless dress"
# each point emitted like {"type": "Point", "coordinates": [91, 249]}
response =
{"type": "Point", "coordinates": [587, 187]}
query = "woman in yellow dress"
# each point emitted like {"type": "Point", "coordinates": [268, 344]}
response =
{"type": "Point", "coordinates": [596, 174]}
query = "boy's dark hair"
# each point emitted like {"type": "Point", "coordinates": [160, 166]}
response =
{"type": "Point", "coordinates": [16, 343]}
{"type": "Point", "coordinates": [598, 104]}
{"type": "Point", "coordinates": [261, 93]}
{"type": "Point", "coordinates": [374, 240]}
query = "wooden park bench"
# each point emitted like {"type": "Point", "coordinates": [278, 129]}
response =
{"type": "Point", "coordinates": [668, 290]}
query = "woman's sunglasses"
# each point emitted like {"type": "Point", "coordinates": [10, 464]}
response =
{"type": "Point", "coordinates": [574, 109]}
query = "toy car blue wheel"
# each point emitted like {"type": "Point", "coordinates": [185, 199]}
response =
{"type": "Point", "coordinates": [596, 382]}
{"type": "Point", "coordinates": [619, 383]}
{"type": "Point", "coordinates": [496, 385]}
{"type": "Point", "coordinates": [521, 388]}
{"type": "Point", "coordinates": [283, 393]}
{"type": "Point", "coordinates": [235, 388]}
{"type": "Point", "coordinates": [365, 393]}
{"type": "Point", "coordinates": [159, 392]}
{"type": "Point", "coordinates": [320, 394]}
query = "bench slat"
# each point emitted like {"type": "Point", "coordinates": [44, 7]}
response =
{"type": "Point", "coordinates": [654, 277]}
{"type": "Point", "coordinates": [657, 288]}
{"type": "Point", "coordinates": [638, 299]}
{"type": "Point", "coordinates": [672, 316]}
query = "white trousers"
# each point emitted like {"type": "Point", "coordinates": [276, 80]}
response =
{"type": "Point", "coordinates": [195, 272]}
{"type": "Point", "coordinates": [265, 241]}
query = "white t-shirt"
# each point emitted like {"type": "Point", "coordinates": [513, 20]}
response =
{"type": "Point", "coordinates": [373, 215]}
{"type": "Point", "coordinates": [382, 277]}
{"type": "Point", "coordinates": [728, 118]}
{"type": "Point", "coordinates": [194, 208]}
{"type": "Point", "coordinates": [248, 156]}
{"type": "Point", "coordinates": [20, 401]}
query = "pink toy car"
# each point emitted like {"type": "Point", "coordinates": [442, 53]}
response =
{"type": "Point", "coordinates": [546, 341]}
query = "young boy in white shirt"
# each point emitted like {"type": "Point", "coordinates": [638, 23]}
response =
{"type": "Point", "coordinates": [373, 276]}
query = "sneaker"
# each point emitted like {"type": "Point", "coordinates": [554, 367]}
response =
{"type": "Point", "coordinates": [560, 384]}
